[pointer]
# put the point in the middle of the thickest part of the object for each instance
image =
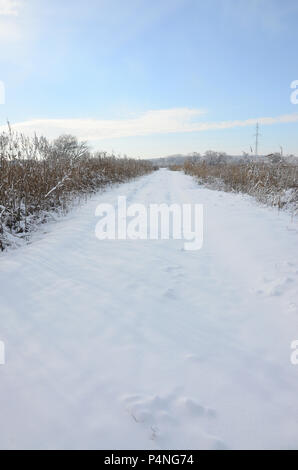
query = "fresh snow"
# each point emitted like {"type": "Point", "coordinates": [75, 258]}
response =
{"type": "Point", "coordinates": [141, 344]}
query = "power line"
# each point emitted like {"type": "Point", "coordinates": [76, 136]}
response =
{"type": "Point", "coordinates": [257, 135]}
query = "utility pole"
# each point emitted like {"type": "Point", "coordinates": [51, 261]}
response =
{"type": "Point", "coordinates": [257, 135]}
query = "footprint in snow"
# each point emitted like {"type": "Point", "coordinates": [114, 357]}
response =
{"type": "Point", "coordinates": [286, 279]}
{"type": "Point", "coordinates": [160, 415]}
{"type": "Point", "coordinates": [175, 271]}
{"type": "Point", "coordinates": [174, 268]}
{"type": "Point", "coordinates": [170, 294]}
{"type": "Point", "coordinates": [275, 287]}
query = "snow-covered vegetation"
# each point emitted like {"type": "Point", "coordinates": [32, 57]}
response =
{"type": "Point", "coordinates": [39, 178]}
{"type": "Point", "coordinates": [272, 180]}
{"type": "Point", "coordinates": [214, 157]}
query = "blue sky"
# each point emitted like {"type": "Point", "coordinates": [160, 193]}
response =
{"type": "Point", "coordinates": [152, 78]}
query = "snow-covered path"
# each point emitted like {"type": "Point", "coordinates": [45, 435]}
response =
{"type": "Point", "coordinates": [139, 344]}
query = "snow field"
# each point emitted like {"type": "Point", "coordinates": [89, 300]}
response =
{"type": "Point", "coordinates": [140, 344]}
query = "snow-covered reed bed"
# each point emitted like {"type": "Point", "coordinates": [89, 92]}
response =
{"type": "Point", "coordinates": [39, 178]}
{"type": "Point", "coordinates": [272, 184]}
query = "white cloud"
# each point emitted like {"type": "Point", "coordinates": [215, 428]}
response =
{"type": "Point", "coordinates": [265, 121]}
{"type": "Point", "coordinates": [152, 122]}
{"type": "Point", "coordinates": [9, 23]}
{"type": "Point", "coordinates": [178, 120]}
{"type": "Point", "coordinates": [9, 7]}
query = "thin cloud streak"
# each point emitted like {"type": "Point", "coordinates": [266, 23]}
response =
{"type": "Point", "coordinates": [167, 121]}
